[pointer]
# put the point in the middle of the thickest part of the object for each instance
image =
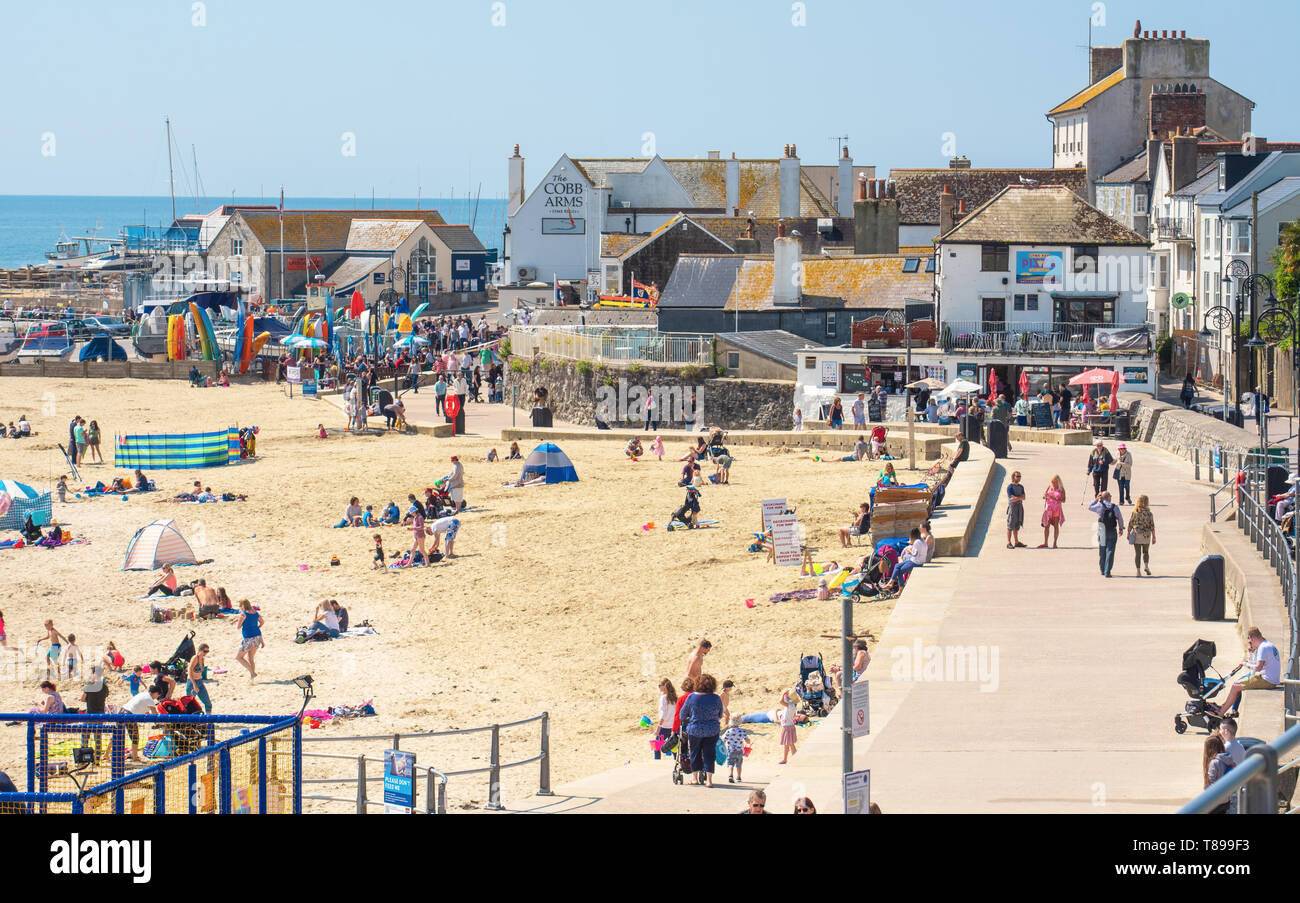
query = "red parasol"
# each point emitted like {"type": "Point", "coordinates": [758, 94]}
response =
{"type": "Point", "coordinates": [1024, 383]}
{"type": "Point", "coordinates": [1114, 393]}
{"type": "Point", "coordinates": [993, 383]}
{"type": "Point", "coordinates": [358, 304]}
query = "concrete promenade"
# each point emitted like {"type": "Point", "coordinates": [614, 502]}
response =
{"type": "Point", "coordinates": [1075, 710]}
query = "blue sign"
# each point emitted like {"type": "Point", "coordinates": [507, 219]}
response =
{"type": "Point", "coordinates": [1040, 267]}
{"type": "Point", "coordinates": [399, 781]}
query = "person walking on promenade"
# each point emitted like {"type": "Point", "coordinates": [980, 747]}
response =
{"type": "Point", "coordinates": [1098, 467]}
{"type": "Point", "coordinates": [667, 711]}
{"type": "Point", "coordinates": [1124, 474]}
{"type": "Point", "coordinates": [1142, 534]}
{"type": "Point", "coordinates": [1015, 511]}
{"type": "Point", "coordinates": [1110, 526]}
{"type": "Point", "coordinates": [1188, 392]}
{"type": "Point", "coordinates": [700, 716]}
{"type": "Point", "coordinates": [1053, 510]}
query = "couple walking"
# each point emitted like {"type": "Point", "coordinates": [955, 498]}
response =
{"type": "Point", "coordinates": [1110, 526]}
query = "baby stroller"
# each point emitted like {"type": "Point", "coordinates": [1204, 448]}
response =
{"type": "Point", "coordinates": [1199, 710]}
{"type": "Point", "coordinates": [177, 667]}
{"type": "Point", "coordinates": [815, 688]}
{"type": "Point", "coordinates": [674, 747]}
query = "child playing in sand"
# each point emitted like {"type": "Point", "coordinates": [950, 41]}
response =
{"type": "Point", "coordinates": [733, 740]}
{"type": "Point", "coordinates": [63, 489]}
{"type": "Point", "coordinates": [633, 450]}
{"type": "Point", "coordinates": [134, 680]}
{"type": "Point", "coordinates": [71, 656]}
{"type": "Point", "coordinates": [492, 456]}
{"type": "Point", "coordinates": [379, 553]}
{"type": "Point", "coordinates": [657, 448]}
{"type": "Point", "coordinates": [727, 687]}
{"type": "Point", "coordinates": [320, 431]}
{"type": "Point", "coordinates": [514, 452]}
{"type": "Point", "coordinates": [368, 518]}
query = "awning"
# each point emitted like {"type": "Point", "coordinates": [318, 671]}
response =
{"type": "Point", "coordinates": [1085, 296]}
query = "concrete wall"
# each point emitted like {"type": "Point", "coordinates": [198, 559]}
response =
{"type": "Point", "coordinates": [1179, 431]}
{"type": "Point", "coordinates": [111, 369]}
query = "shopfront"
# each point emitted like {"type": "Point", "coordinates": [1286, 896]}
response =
{"type": "Point", "coordinates": [889, 371]}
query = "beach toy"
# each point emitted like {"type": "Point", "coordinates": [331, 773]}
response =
{"type": "Point", "coordinates": [649, 526]}
{"type": "Point", "coordinates": [646, 722]}
{"type": "Point", "coordinates": [302, 567]}
{"type": "Point", "coordinates": [78, 495]}
{"type": "Point", "coordinates": [334, 561]}
{"type": "Point", "coordinates": [816, 458]}
{"type": "Point", "coordinates": [125, 499]}
{"type": "Point", "coordinates": [749, 603]}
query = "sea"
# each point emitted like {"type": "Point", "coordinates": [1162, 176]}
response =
{"type": "Point", "coordinates": [31, 224]}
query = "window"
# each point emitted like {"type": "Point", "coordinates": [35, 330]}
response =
{"type": "Point", "coordinates": [733, 360]}
{"type": "Point", "coordinates": [1160, 268]}
{"type": "Point", "coordinates": [1089, 310]}
{"type": "Point", "coordinates": [1205, 285]}
{"type": "Point", "coordinates": [831, 324]}
{"type": "Point", "coordinates": [810, 363]}
{"type": "Point", "coordinates": [854, 378]}
{"type": "Point", "coordinates": [236, 247]}
{"type": "Point", "coordinates": [929, 264]}
{"type": "Point", "coordinates": [912, 265]}
{"type": "Point", "coordinates": [994, 315]}
{"type": "Point", "coordinates": [1085, 258]}
{"type": "Point", "coordinates": [1139, 202]}
{"type": "Point", "coordinates": [1025, 302]}
{"type": "Point", "coordinates": [1239, 239]}
{"type": "Point", "coordinates": [993, 258]}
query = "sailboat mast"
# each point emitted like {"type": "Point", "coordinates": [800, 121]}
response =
{"type": "Point", "coordinates": [171, 173]}
{"type": "Point", "coordinates": [194, 152]}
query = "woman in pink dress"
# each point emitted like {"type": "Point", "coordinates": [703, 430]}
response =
{"type": "Point", "coordinates": [1053, 512]}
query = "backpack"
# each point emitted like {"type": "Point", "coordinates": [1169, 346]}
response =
{"type": "Point", "coordinates": [1109, 518]}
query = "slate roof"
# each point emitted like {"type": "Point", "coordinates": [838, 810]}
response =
{"type": "Point", "coordinates": [773, 344]}
{"type": "Point", "coordinates": [457, 237]}
{"type": "Point", "coordinates": [759, 184]}
{"type": "Point", "coordinates": [1040, 216]}
{"type": "Point", "coordinates": [1205, 180]}
{"type": "Point", "coordinates": [1279, 192]}
{"type": "Point", "coordinates": [1094, 90]}
{"type": "Point", "coordinates": [327, 230]}
{"type": "Point", "coordinates": [918, 190]}
{"type": "Point", "coordinates": [700, 281]}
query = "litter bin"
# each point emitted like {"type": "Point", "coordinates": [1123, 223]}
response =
{"type": "Point", "coordinates": [997, 438]}
{"type": "Point", "coordinates": [542, 417]}
{"type": "Point", "coordinates": [1208, 589]}
{"type": "Point", "coordinates": [1236, 418]}
{"type": "Point", "coordinates": [1123, 426]}
{"type": "Point", "coordinates": [971, 428]}
{"type": "Point", "coordinates": [1276, 479]}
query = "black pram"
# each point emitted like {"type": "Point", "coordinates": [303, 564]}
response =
{"type": "Point", "coordinates": [177, 667]}
{"type": "Point", "coordinates": [1199, 711]}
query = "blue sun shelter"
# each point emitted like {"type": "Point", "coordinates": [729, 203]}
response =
{"type": "Point", "coordinates": [547, 460]}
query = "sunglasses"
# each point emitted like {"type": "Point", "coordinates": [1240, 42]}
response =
{"type": "Point", "coordinates": [802, 809]}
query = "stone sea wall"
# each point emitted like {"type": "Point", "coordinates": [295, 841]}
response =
{"type": "Point", "coordinates": [1178, 430]}
{"type": "Point", "coordinates": [579, 391]}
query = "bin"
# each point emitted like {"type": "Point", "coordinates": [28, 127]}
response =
{"type": "Point", "coordinates": [971, 428]}
{"type": "Point", "coordinates": [1123, 426]}
{"type": "Point", "coordinates": [1208, 589]}
{"type": "Point", "coordinates": [542, 417]}
{"type": "Point", "coordinates": [997, 438]}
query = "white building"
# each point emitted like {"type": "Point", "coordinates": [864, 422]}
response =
{"type": "Point", "coordinates": [1039, 280]}
{"type": "Point", "coordinates": [554, 232]}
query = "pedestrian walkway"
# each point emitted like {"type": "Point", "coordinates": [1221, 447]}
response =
{"type": "Point", "coordinates": [1071, 703]}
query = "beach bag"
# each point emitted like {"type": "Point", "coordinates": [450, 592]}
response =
{"type": "Point", "coordinates": [670, 743]}
{"type": "Point", "coordinates": [720, 752]}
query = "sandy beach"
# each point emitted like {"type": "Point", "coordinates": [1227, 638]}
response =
{"type": "Point", "coordinates": [557, 599]}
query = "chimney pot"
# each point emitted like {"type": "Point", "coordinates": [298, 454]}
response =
{"type": "Point", "coordinates": [735, 211]}
{"type": "Point", "coordinates": [516, 150]}
{"type": "Point", "coordinates": [891, 188]}
{"type": "Point", "coordinates": [961, 207]}
{"type": "Point", "coordinates": [786, 152]}
{"type": "Point", "coordinates": [1164, 33]}
{"type": "Point", "coordinates": [1183, 33]}
{"type": "Point", "coordinates": [844, 152]}
{"type": "Point", "coordinates": [871, 189]}
{"type": "Point", "coordinates": [862, 187]}
{"type": "Point", "coordinates": [733, 155]}
{"type": "Point", "coordinates": [780, 228]}
{"type": "Point", "coordinates": [1145, 35]}
{"type": "Point", "coordinates": [794, 151]}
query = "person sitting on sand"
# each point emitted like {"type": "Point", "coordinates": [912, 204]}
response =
{"type": "Point", "coordinates": [860, 449]}
{"type": "Point", "coordinates": [391, 515]}
{"type": "Point", "coordinates": [699, 450]}
{"type": "Point", "coordinates": [887, 476]}
{"type": "Point", "coordinates": [112, 658]}
{"type": "Point", "coordinates": [24, 428]}
{"type": "Point", "coordinates": [325, 623]}
{"type": "Point", "coordinates": [412, 508]}
{"type": "Point", "coordinates": [689, 512]}
{"type": "Point", "coordinates": [368, 518]}
{"type": "Point", "coordinates": [514, 452]}
{"type": "Point", "coordinates": [492, 457]}
{"type": "Point", "coordinates": [351, 515]}
{"type": "Point", "coordinates": [320, 431]}
{"type": "Point", "coordinates": [166, 584]}
{"type": "Point", "coordinates": [877, 442]}
{"type": "Point", "coordinates": [861, 525]}
{"type": "Point", "coordinates": [634, 450]}
{"type": "Point", "coordinates": [142, 483]}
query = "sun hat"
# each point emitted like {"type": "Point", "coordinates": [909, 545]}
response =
{"type": "Point", "coordinates": [1294, 478]}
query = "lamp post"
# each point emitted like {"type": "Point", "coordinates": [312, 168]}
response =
{"type": "Point", "coordinates": [891, 319]}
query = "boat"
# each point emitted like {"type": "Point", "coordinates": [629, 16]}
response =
{"type": "Point", "coordinates": [76, 253]}
{"type": "Point", "coordinates": [625, 301]}
{"type": "Point", "coordinates": [46, 340]}
{"type": "Point", "coordinates": [101, 348]}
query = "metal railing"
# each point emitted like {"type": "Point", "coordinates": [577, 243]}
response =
{"type": "Point", "coordinates": [613, 344]}
{"type": "Point", "coordinates": [1245, 491]}
{"type": "Point", "coordinates": [1011, 337]}
{"type": "Point", "coordinates": [1263, 784]}
{"type": "Point", "coordinates": [436, 789]}
{"type": "Point", "coordinates": [1168, 228]}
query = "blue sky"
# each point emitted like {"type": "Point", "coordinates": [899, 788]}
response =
{"type": "Point", "coordinates": [436, 94]}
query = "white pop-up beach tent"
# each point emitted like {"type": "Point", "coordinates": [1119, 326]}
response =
{"type": "Point", "coordinates": [157, 544]}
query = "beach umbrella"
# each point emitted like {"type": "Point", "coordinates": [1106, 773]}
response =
{"type": "Point", "coordinates": [1024, 383]}
{"type": "Point", "coordinates": [357, 305]}
{"type": "Point", "coordinates": [993, 383]}
{"type": "Point", "coordinates": [928, 383]}
{"type": "Point", "coordinates": [307, 343]}
{"type": "Point", "coordinates": [407, 341]}
{"type": "Point", "coordinates": [419, 310]}
{"type": "Point", "coordinates": [17, 490]}
{"type": "Point", "coordinates": [960, 387]}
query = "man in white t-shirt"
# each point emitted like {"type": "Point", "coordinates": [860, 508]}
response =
{"type": "Point", "coordinates": [860, 411]}
{"type": "Point", "coordinates": [445, 527]}
{"type": "Point", "coordinates": [325, 621]}
{"type": "Point", "coordinates": [1266, 670]}
{"type": "Point", "coordinates": [143, 703]}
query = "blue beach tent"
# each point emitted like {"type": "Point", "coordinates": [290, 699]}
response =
{"type": "Point", "coordinates": [548, 460]}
